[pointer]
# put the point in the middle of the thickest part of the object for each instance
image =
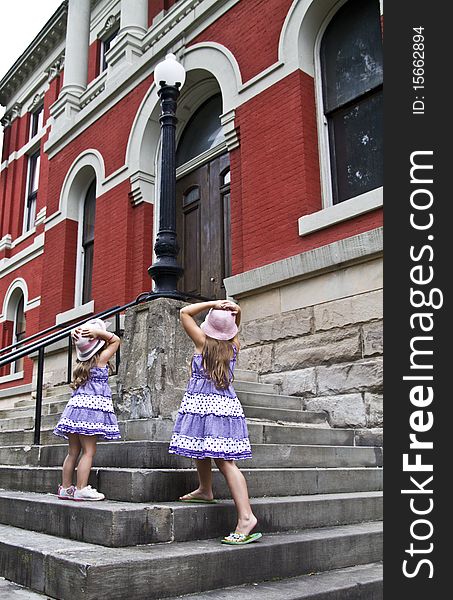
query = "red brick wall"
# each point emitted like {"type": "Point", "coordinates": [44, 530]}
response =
{"type": "Point", "coordinates": [94, 53]}
{"type": "Point", "coordinates": [30, 272]}
{"type": "Point", "coordinates": [250, 30]}
{"type": "Point", "coordinates": [117, 122]}
{"type": "Point", "coordinates": [278, 179]}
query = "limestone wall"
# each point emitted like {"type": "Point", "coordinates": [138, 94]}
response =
{"type": "Point", "coordinates": [321, 338]}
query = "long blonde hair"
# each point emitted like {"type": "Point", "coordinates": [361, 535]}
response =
{"type": "Point", "coordinates": [83, 368]}
{"type": "Point", "coordinates": [217, 355]}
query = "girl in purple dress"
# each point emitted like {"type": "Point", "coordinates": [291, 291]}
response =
{"type": "Point", "coordinates": [210, 423]}
{"type": "Point", "coordinates": [89, 413]}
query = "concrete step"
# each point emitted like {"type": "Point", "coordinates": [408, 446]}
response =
{"type": "Point", "coordinates": [48, 408]}
{"type": "Point", "coordinates": [117, 524]}
{"type": "Point", "coordinates": [259, 431]}
{"type": "Point", "coordinates": [25, 423]}
{"type": "Point", "coordinates": [166, 485]}
{"type": "Point", "coordinates": [59, 566]}
{"type": "Point", "coordinates": [150, 454]}
{"type": "Point", "coordinates": [249, 398]}
{"type": "Point", "coordinates": [253, 386]}
{"type": "Point", "coordinates": [284, 415]}
{"type": "Point", "coordinates": [362, 582]}
{"type": "Point", "coordinates": [244, 375]}
{"type": "Point", "coordinates": [12, 591]}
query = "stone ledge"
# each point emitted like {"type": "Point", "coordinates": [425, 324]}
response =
{"type": "Point", "coordinates": [355, 249]}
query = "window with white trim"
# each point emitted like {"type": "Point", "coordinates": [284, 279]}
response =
{"type": "Point", "coordinates": [36, 120]}
{"type": "Point", "coordinates": [351, 67]}
{"type": "Point", "coordinates": [34, 162]}
{"type": "Point", "coordinates": [18, 332]}
{"type": "Point", "coordinates": [89, 213]}
{"type": "Point", "coordinates": [106, 44]}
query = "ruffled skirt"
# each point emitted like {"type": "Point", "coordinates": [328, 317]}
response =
{"type": "Point", "coordinates": [89, 415]}
{"type": "Point", "coordinates": [210, 426]}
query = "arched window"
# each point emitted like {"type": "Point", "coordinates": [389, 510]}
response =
{"type": "Point", "coordinates": [18, 332]}
{"type": "Point", "coordinates": [89, 213]}
{"type": "Point", "coordinates": [351, 71]}
{"type": "Point", "coordinates": [203, 131]}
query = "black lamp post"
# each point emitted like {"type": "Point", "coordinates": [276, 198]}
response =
{"type": "Point", "coordinates": [166, 270]}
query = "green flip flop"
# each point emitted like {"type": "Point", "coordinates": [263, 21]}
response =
{"type": "Point", "coordinates": [240, 539]}
{"type": "Point", "coordinates": [195, 500]}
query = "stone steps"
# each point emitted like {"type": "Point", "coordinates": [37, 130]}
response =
{"type": "Point", "coordinates": [59, 566]}
{"type": "Point", "coordinates": [117, 524]}
{"type": "Point", "coordinates": [284, 415]}
{"type": "Point", "coordinates": [362, 582]}
{"type": "Point", "coordinates": [259, 431]}
{"type": "Point", "coordinates": [166, 485]}
{"type": "Point", "coordinates": [12, 591]}
{"type": "Point", "coordinates": [150, 454]}
{"type": "Point", "coordinates": [252, 398]}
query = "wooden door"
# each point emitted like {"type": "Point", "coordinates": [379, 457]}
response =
{"type": "Point", "coordinates": [203, 228]}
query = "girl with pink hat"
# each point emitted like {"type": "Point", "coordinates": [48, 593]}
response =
{"type": "Point", "coordinates": [89, 413]}
{"type": "Point", "coordinates": [210, 423]}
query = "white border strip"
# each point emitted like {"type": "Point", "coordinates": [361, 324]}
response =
{"type": "Point", "coordinates": [343, 211]}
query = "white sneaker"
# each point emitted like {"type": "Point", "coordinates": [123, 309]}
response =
{"type": "Point", "coordinates": [88, 493]}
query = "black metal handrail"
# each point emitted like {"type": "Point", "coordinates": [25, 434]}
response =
{"type": "Point", "coordinates": [41, 344]}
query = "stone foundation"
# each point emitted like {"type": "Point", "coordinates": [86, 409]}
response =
{"type": "Point", "coordinates": [155, 359]}
{"type": "Point", "coordinates": [319, 338]}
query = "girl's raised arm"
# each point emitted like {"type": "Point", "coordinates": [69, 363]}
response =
{"type": "Point", "coordinates": [191, 327]}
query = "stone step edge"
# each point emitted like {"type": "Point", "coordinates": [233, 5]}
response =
{"type": "Point", "coordinates": [115, 505]}
{"type": "Point", "coordinates": [338, 584]}
{"type": "Point", "coordinates": [193, 470]}
{"type": "Point", "coordinates": [166, 443]}
{"type": "Point", "coordinates": [54, 546]}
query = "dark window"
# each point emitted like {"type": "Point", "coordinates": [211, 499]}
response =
{"type": "Point", "coordinates": [203, 131]}
{"type": "Point", "coordinates": [106, 44]}
{"type": "Point", "coordinates": [32, 192]}
{"type": "Point", "coordinates": [89, 213]}
{"type": "Point", "coordinates": [19, 332]}
{"type": "Point", "coordinates": [351, 64]}
{"type": "Point", "coordinates": [36, 120]}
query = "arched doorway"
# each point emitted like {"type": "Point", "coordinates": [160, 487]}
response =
{"type": "Point", "coordinates": [203, 202]}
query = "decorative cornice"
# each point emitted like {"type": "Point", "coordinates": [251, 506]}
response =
{"type": "Point", "coordinates": [11, 115]}
{"type": "Point", "coordinates": [47, 39]}
{"type": "Point", "coordinates": [55, 68]}
{"type": "Point", "coordinates": [38, 98]}
{"type": "Point", "coordinates": [111, 23]}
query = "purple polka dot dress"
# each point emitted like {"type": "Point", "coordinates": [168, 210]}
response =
{"type": "Point", "coordinates": [210, 422]}
{"type": "Point", "coordinates": [90, 409]}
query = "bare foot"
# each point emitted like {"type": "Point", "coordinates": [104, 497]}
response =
{"type": "Point", "coordinates": [198, 495]}
{"type": "Point", "coordinates": [246, 525]}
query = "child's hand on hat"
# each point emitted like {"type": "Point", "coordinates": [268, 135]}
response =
{"type": "Point", "coordinates": [88, 331]}
{"type": "Point", "coordinates": [227, 305]}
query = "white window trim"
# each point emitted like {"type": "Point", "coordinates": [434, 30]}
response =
{"type": "Point", "coordinates": [26, 232]}
{"type": "Point", "coordinates": [12, 376]}
{"type": "Point", "coordinates": [331, 213]}
{"type": "Point", "coordinates": [75, 313]}
{"type": "Point", "coordinates": [80, 253]}
{"type": "Point", "coordinates": [343, 211]}
{"type": "Point", "coordinates": [325, 166]}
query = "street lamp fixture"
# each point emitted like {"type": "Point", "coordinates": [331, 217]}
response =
{"type": "Point", "coordinates": [165, 271]}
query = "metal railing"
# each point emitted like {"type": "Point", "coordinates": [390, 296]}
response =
{"type": "Point", "coordinates": [37, 343]}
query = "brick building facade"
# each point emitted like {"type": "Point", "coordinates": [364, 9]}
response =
{"type": "Point", "coordinates": [273, 184]}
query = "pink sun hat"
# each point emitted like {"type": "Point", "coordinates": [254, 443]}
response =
{"type": "Point", "coordinates": [220, 324]}
{"type": "Point", "coordinates": [86, 348]}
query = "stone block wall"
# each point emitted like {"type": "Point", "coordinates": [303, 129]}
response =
{"type": "Point", "coordinates": [329, 353]}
